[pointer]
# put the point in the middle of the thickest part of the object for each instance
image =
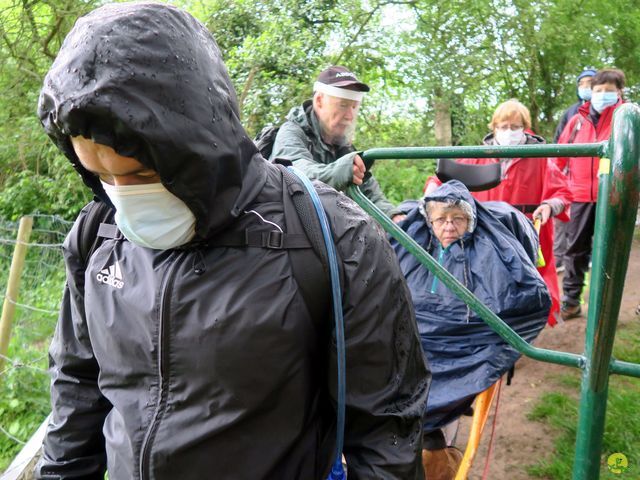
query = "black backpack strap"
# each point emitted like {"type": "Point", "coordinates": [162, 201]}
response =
{"type": "Point", "coordinates": [310, 268]}
{"type": "Point", "coordinates": [261, 239]}
{"type": "Point", "coordinates": [92, 234]}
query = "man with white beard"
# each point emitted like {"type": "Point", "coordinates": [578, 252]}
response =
{"type": "Point", "coordinates": [317, 137]}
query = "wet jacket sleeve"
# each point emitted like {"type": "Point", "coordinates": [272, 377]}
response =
{"type": "Point", "coordinates": [387, 376]}
{"type": "Point", "coordinates": [292, 144]}
{"type": "Point", "coordinates": [74, 443]}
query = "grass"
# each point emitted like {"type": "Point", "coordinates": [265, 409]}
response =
{"type": "Point", "coordinates": [622, 428]}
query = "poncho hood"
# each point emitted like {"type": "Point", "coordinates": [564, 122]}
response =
{"type": "Point", "coordinates": [148, 80]}
{"type": "Point", "coordinates": [455, 192]}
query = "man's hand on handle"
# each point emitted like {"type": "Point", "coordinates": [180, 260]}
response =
{"type": "Point", "coordinates": [358, 170]}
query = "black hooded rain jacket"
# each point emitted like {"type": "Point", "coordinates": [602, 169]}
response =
{"type": "Point", "coordinates": [204, 362]}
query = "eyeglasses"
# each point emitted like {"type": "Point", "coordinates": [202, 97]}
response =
{"type": "Point", "coordinates": [502, 128]}
{"type": "Point", "coordinates": [455, 221]}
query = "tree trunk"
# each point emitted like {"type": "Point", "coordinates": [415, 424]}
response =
{"type": "Point", "coordinates": [442, 122]}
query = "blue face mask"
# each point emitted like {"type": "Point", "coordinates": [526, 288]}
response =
{"type": "Point", "coordinates": [602, 100]}
{"type": "Point", "coordinates": [151, 216]}
{"type": "Point", "coordinates": [584, 94]}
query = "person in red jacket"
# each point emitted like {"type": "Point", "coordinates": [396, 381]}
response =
{"type": "Point", "coordinates": [591, 124]}
{"type": "Point", "coordinates": [534, 186]}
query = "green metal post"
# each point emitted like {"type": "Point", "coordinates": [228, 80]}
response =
{"type": "Point", "coordinates": [615, 216]}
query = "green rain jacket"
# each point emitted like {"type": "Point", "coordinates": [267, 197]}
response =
{"type": "Point", "coordinates": [299, 141]}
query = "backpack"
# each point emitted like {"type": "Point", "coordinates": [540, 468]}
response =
{"type": "Point", "coordinates": [265, 140]}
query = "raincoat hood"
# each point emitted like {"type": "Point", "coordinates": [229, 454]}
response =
{"type": "Point", "coordinates": [300, 114]}
{"type": "Point", "coordinates": [452, 191]}
{"type": "Point", "coordinates": [148, 80]}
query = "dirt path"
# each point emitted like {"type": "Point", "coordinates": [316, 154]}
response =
{"type": "Point", "coordinates": [520, 442]}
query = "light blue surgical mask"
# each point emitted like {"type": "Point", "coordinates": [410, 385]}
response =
{"type": "Point", "coordinates": [151, 216]}
{"type": "Point", "coordinates": [602, 100]}
{"type": "Point", "coordinates": [584, 94]}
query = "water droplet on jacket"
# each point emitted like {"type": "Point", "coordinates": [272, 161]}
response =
{"type": "Point", "coordinates": [394, 440]}
{"type": "Point", "coordinates": [215, 145]}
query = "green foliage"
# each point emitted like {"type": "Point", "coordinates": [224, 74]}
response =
{"type": "Point", "coordinates": [58, 191]}
{"type": "Point", "coordinates": [24, 403]}
{"type": "Point", "coordinates": [466, 55]}
{"type": "Point", "coordinates": [403, 179]}
{"type": "Point", "coordinates": [24, 393]}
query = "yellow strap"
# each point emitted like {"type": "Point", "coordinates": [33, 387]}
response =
{"type": "Point", "coordinates": [605, 166]}
{"type": "Point", "coordinates": [541, 261]}
{"type": "Point", "coordinates": [480, 416]}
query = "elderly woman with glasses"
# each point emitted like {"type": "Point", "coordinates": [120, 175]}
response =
{"type": "Point", "coordinates": [490, 249]}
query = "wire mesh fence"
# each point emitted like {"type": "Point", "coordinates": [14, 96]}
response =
{"type": "Point", "coordinates": [24, 380]}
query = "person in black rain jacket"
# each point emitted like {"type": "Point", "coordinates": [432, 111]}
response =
{"type": "Point", "coordinates": [176, 356]}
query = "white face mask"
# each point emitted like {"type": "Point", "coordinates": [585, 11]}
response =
{"type": "Point", "coordinates": [509, 137]}
{"type": "Point", "coordinates": [151, 216]}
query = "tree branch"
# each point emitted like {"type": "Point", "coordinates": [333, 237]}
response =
{"type": "Point", "coordinates": [247, 86]}
{"type": "Point", "coordinates": [54, 31]}
{"type": "Point", "coordinates": [364, 24]}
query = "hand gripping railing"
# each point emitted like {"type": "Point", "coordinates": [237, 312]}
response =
{"type": "Point", "coordinates": [615, 217]}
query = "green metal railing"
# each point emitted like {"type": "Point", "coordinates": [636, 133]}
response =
{"type": "Point", "coordinates": [615, 217]}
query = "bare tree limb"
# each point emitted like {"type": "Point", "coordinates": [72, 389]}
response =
{"type": "Point", "coordinates": [47, 40]}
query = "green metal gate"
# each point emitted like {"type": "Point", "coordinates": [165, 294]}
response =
{"type": "Point", "coordinates": [617, 205]}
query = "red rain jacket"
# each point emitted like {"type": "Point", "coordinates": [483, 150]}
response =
{"type": "Point", "coordinates": [583, 171]}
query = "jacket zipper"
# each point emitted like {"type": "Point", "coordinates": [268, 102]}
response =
{"type": "Point", "coordinates": [435, 279]}
{"type": "Point", "coordinates": [163, 373]}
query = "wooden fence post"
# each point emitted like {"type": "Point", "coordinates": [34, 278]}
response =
{"type": "Point", "coordinates": [13, 285]}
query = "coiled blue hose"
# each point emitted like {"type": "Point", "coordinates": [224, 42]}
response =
{"type": "Point", "coordinates": [337, 472]}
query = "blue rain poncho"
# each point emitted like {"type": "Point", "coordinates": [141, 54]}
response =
{"type": "Point", "coordinates": [495, 260]}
